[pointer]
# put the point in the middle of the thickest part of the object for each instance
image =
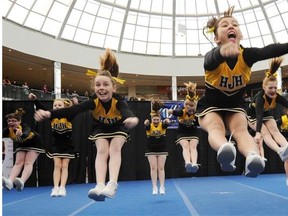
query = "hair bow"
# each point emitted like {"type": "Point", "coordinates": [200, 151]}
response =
{"type": "Point", "coordinates": [192, 98]}
{"type": "Point", "coordinates": [268, 74]}
{"type": "Point", "coordinates": [210, 30]}
{"type": "Point", "coordinates": [93, 73]}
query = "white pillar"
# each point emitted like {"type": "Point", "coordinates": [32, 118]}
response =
{"type": "Point", "coordinates": [57, 79]}
{"type": "Point", "coordinates": [174, 88]}
{"type": "Point", "coordinates": [279, 80]}
{"type": "Point", "coordinates": [131, 91]}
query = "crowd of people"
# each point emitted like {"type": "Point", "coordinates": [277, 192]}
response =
{"type": "Point", "coordinates": [220, 111]}
{"type": "Point", "coordinates": [44, 90]}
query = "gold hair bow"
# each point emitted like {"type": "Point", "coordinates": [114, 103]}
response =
{"type": "Point", "coordinates": [193, 98]}
{"type": "Point", "coordinates": [67, 102]}
{"type": "Point", "coordinates": [268, 74]}
{"type": "Point", "coordinates": [93, 73]}
{"type": "Point", "coordinates": [210, 30]}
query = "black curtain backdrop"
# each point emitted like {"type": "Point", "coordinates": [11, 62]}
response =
{"type": "Point", "coordinates": [134, 165]}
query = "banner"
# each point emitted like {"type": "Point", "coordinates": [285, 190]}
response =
{"type": "Point", "coordinates": [7, 164]}
{"type": "Point", "coordinates": [164, 112]}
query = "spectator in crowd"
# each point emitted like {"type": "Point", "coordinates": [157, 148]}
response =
{"type": "Point", "coordinates": [45, 89]}
{"type": "Point", "coordinates": [6, 81]}
{"type": "Point", "coordinates": [86, 94]}
{"type": "Point", "coordinates": [74, 94]}
{"type": "Point", "coordinates": [67, 93]}
{"type": "Point", "coordinates": [25, 88]}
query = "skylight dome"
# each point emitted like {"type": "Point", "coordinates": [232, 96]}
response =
{"type": "Point", "coordinates": [148, 27]}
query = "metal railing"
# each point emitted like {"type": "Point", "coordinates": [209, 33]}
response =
{"type": "Point", "coordinates": [13, 92]}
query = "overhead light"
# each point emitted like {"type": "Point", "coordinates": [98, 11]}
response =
{"type": "Point", "coordinates": [30, 69]}
{"type": "Point", "coordinates": [44, 68]}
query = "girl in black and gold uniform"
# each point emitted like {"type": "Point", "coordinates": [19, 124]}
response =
{"type": "Point", "coordinates": [62, 148]}
{"type": "Point", "coordinates": [187, 131]}
{"type": "Point", "coordinates": [156, 151]}
{"type": "Point", "coordinates": [283, 122]}
{"type": "Point", "coordinates": [260, 118]}
{"type": "Point", "coordinates": [112, 121]}
{"type": "Point", "coordinates": [27, 146]}
{"type": "Point", "coordinates": [222, 108]}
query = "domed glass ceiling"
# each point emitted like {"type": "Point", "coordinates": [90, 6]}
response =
{"type": "Point", "coordinates": [148, 27]}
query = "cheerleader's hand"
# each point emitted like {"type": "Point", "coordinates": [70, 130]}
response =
{"type": "Point", "coordinates": [170, 111]}
{"type": "Point", "coordinates": [131, 122]}
{"type": "Point", "coordinates": [18, 132]}
{"type": "Point", "coordinates": [230, 50]}
{"type": "Point", "coordinates": [32, 96]}
{"type": "Point", "coordinates": [41, 115]}
{"type": "Point", "coordinates": [146, 122]}
{"type": "Point", "coordinates": [74, 100]}
{"type": "Point", "coordinates": [166, 121]}
{"type": "Point", "coordinates": [257, 137]}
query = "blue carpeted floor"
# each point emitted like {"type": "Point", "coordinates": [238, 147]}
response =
{"type": "Point", "coordinates": [229, 195]}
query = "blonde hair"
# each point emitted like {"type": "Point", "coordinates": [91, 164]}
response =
{"type": "Point", "coordinates": [190, 102]}
{"type": "Point", "coordinates": [107, 74]}
{"type": "Point", "coordinates": [67, 102]}
{"type": "Point", "coordinates": [191, 97]}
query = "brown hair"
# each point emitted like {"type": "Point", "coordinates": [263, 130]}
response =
{"type": "Point", "coordinates": [212, 24]}
{"type": "Point", "coordinates": [16, 115]}
{"type": "Point", "coordinates": [271, 74]}
{"type": "Point", "coordinates": [108, 62]}
{"type": "Point", "coordinates": [108, 66]}
{"type": "Point", "coordinates": [156, 106]}
{"type": "Point", "coordinates": [191, 93]}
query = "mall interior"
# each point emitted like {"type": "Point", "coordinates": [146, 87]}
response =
{"type": "Point", "coordinates": [48, 46]}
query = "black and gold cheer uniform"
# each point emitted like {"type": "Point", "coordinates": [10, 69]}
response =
{"type": "Point", "coordinates": [156, 143]}
{"type": "Point", "coordinates": [29, 141]}
{"type": "Point", "coordinates": [260, 108]}
{"type": "Point", "coordinates": [226, 78]}
{"type": "Point", "coordinates": [187, 127]}
{"type": "Point", "coordinates": [108, 116]}
{"type": "Point", "coordinates": [283, 123]}
{"type": "Point", "coordinates": [61, 145]}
